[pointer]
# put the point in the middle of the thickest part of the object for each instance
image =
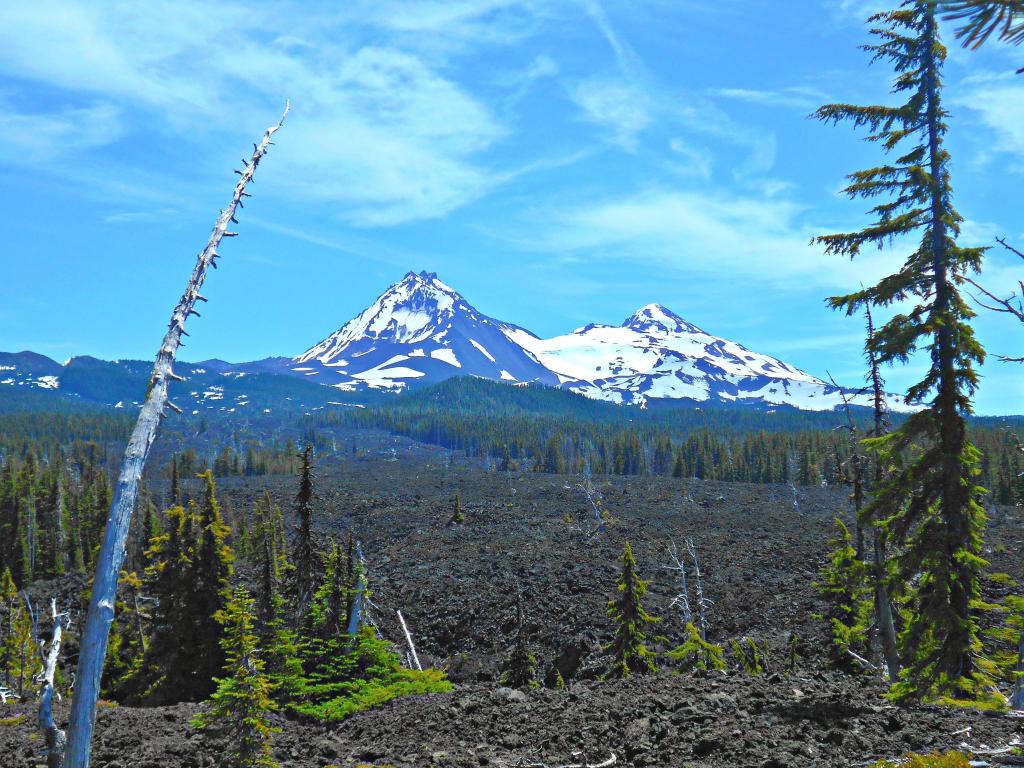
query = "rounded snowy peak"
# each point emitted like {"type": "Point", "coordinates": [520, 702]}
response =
{"type": "Point", "coordinates": [655, 318]}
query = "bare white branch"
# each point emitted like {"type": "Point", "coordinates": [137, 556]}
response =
{"type": "Point", "coordinates": [408, 639]}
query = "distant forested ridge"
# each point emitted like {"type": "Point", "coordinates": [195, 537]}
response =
{"type": "Point", "coordinates": [547, 430]}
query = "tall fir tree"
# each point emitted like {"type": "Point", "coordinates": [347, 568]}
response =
{"type": "Point", "coordinates": [166, 674]}
{"type": "Point", "coordinates": [629, 651]}
{"type": "Point", "coordinates": [211, 569]}
{"type": "Point", "coordinates": [304, 557]}
{"type": "Point", "coordinates": [175, 482]}
{"type": "Point", "coordinates": [930, 498]}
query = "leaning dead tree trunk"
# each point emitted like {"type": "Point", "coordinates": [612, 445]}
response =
{"type": "Point", "coordinates": [1013, 305]}
{"type": "Point", "coordinates": [111, 556]}
{"type": "Point", "coordinates": [856, 469]}
{"type": "Point", "coordinates": [594, 499]}
{"type": "Point", "coordinates": [414, 659]}
{"type": "Point", "coordinates": [53, 737]}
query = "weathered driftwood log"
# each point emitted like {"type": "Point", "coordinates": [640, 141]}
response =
{"type": "Point", "coordinates": [111, 556]}
{"type": "Point", "coordinates": [610, 761]}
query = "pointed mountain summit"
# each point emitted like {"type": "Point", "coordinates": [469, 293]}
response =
{"type": "Point", "coordinates": [419, 330]}
{"type": "Point", "coordinates": [656, 318]}
{"type": "Point", "coordinates": [657, 355]}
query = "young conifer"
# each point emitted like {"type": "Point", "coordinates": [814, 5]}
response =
{"type": "Point", "coordinates": [328, 611]}
{"type": "Point", "coordinates": [458, 515]}
{"type": "Point", "coordinates": [281, 653]}
{"type": "Point", "coordinates": [19, 650]}
{"type": "Point", "coordinates": [629, 652]}
{"type": "Point", "coordinates": [8, 618]}
{"type": "Point", "coordinates": [697, 653]}
{"type": "Point", "coordinates": [844, 586]}
{"type": "Point", "coordinates": [241, 703]}
{"type": "Point", "coordinates": [930, 497]}
{"type": "Point", "coordinates": [521, 665]}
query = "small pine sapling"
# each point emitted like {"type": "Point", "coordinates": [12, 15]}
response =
{"type": "Point", "coordinates": [458, 515]}
{"type": "Point", "coordinates": [749, 655]}
{"type": "Point", "coordinates": [240, 706]}
{"type": "Point", "coordinates": [630, 653]}
{"type": "Point", "coordinates": [793, 653]}
{"type": "Point", "coordinates": [521, 665]}
{"type": "Point", "coordinates": [849, 605]}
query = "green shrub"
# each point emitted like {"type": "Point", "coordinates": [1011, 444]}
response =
{"type": "Point", "coordinates": [352, 674]}
{"type": "Point", "coordinates": [697, 653]}
{"type": "Point", "coordinates": [934, 760]}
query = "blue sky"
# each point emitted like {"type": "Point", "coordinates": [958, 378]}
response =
{"type": "Point", "coordinates": [557, 161]}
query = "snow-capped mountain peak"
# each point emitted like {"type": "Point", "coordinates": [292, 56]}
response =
{"type": "Point", "coordinates": [419, 329]}
{"type": "Point", "coordinates": [657, 319]}
{"type": "Point", "coordinates": [422, 330]}
{"type": "Point", "coordinates": [413, 309]}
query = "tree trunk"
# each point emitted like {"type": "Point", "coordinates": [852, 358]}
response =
{"type": "Point", "coordinates": [111, 556]}
{"type": "Point", "coordinates": [1017, 697]}
{"type": "Point", "coordinates": [883, 613]}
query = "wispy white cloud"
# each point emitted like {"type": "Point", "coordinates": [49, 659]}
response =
{"type": "Point", "coordinates": [380, 131]}
{"type": "Point", "coordinates": [30, 138]}
{"type": "Point", "coordinates": [997, 102]}
{"type": "Point", "coordinates": [134, 217]}
{"type": "Point", "coordinates": [697, 161]}
{"type": "Point", "coordinates": [795, 97]}
{"type": "Point", "coordinates": [748, 238]}
{"type": "Point", "coordinates": [616, 104]}
{"type": "Point", "coordinates": [628, 61]}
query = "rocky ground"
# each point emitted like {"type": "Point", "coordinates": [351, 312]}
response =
{"type": "Point", "coordinates": [760, 548]}
{"type": "Point", "coordinates": [709, 719]}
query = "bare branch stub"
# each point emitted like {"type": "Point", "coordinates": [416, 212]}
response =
{"type": "Point", "coordinates": [101, 606]}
